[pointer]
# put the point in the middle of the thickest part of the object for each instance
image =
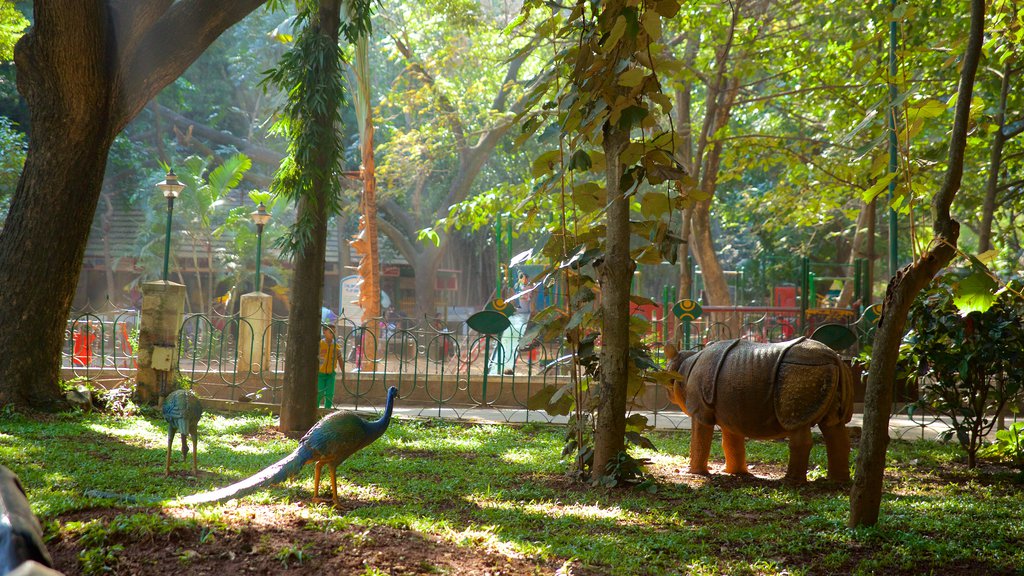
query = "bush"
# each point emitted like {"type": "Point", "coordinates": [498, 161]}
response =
{"type": "Point", "coordinates": [972, 362]}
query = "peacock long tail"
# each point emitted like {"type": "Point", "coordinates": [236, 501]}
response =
{"type": "Point", "coordinates": [280, 471]}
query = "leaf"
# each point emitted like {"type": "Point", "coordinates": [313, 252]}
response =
{"type": "Point", "coordinates": [580, 161]}
{"type": "Point", "coordinates": [667, 8]}
{"type": "Point", "coordinates": [975, 293]}
{"type": "Point", "coordinates": [429, 235]}
{"type": "Point", "coordinates": [632, 77]}
{"type": "Point", "coordinates": [929, 108]}
{"type": "Point", "coordinates": [868, 195]}
{"type": "Point", "coordinates": [631, 116]}
{"type": "Point", "coordinates": [639, 440]}
{"type": "Point", "coordinates": [636, 422]}
{"type": "Point", "coordinates": [655, 204]}
{"type": "Point", "coordinates": [615, 35]}
{"type": "Point", "coordinates": [545, 163]}
{"type": "Point", "coordinates": [652, 25]}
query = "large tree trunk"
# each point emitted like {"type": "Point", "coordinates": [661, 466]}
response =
{"type": "Point", "coordinates": [39, 279]}
{"type": "Point", "coordinates": [866, 494]}
{"type": "Point", "coordinates": [298, 404]}
{"type": "Point", "coordinates": [85, 70]}
{"type": "Point", "coordinates": [615, 274]}
{"type": "Point", "coordinates": [425, 268]}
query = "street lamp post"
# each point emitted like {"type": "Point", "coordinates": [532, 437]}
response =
{"type": "Point", "coordinates": [260, 217]}
{"type": "Point", "coordinates": [170, 188]}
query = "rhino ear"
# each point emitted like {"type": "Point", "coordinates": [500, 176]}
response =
{"type": "Point", "coordinates": [670, 351]}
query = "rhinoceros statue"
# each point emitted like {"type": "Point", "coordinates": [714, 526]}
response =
{"type": "Point", "coordinates": [766, 391]}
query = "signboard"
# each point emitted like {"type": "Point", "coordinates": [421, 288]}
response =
{"type": "Point", "coordinates": [349, 298]}
{"type": "Point", "coordinates": [687, 310]}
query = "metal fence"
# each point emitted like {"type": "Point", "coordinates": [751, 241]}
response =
{"type": "Point", "coordinates": [438, 366]}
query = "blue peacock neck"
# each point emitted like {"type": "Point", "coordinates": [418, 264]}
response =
{"type": "Point", "coordinates": [377, 427]}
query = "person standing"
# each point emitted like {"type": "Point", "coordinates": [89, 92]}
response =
{"type": "Point", "coordinates": [524, 303]}
{"type": "Point", "coordinates": [329, 357]}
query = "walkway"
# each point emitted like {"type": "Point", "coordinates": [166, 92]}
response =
{"type": "Point", "coordinates": [900, 426]}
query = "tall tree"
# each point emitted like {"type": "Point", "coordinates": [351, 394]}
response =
{"type": "Point", "coordinates": [85, 69]}
{"type": "Point", "coordinates": [473, 136]}
{"type": "Point", "coordinates": [866, 494]}
{"type": "Point", "coordinates": [308, 177]}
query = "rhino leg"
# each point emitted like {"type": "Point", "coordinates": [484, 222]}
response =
{"type": "Point", "coordinates": [735, 448]}
{"type": "Point", "coordinates": [700, 446]}
{"type": "Point", "coordinates": [837, 446]}
{"type": "Point", "coordinates": [799, 454]}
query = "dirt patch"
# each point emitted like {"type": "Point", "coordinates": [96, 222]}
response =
{"type": "Point", "coordinates": [278, 539]}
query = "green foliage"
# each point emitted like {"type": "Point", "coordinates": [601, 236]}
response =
{"type": "Point", "coordinates": [973, 361]}
{"type": "Point", "coordinates": [294, 555]}
{"type": "Point", "coordinates": [12, 26]}
{"type": "Point", "coordinates": [610, 59]}
{"type": "Point", "coordinates": [1008, 446]}
{"type": "Point", "coordinates": [12, 157]}
{"type": "Point", "coordinates": [309, 74]}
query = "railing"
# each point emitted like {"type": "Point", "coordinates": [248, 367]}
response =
{"type": "Point", "coordinates": [436, 366]}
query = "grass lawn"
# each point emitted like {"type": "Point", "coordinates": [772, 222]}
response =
{"type": "Point", "coordinates": [441, 498]}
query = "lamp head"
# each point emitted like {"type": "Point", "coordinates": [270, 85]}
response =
{"type": "Point", "coordinates": [260, 216]}
{"type": "Point", "coordinates": [170, 186]}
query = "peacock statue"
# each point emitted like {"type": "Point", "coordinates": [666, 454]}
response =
{"type": "Point", "coordinates": [182, 411]}
{"type": "Point", "coordinates": [332, 440]}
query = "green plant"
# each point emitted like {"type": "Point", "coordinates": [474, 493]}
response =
{"type": "Point", "coordinates": [971, 357]}
{"type": "Point", "coordinates": [629, 471]}
{"type": "Point", "coordinates": [1008, 446]}
{"type": "Point", "coordinates": [101, 560]}
{"type": "Point", "coordinates": [294, 553]}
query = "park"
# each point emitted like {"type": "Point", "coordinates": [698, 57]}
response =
{"type": "Point", "coordinates": [476, 287]}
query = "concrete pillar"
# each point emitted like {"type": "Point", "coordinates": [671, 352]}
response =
{"type": "Point", "coordinates": [253, 332]}
{"type": "Point", "coordinates": [163, 307]}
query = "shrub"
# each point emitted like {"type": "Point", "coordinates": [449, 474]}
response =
{"type": "Point", "coordinates": [972, 362]}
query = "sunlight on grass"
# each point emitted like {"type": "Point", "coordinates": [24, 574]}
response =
{"type": "Point", "coordinates": [553, 509]}
{"type": "Point", "coordinates": [502, 488]}
{"type": "Point", "coordinates": [522, 456]}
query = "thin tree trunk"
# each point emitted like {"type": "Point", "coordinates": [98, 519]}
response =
{"type": "Point", "coordinates": [995, 163]}
{"type": "Point", "coordinates": [869, 280]}
{"type": "Point", "coordinates": [866, 494]}
{"type": "Point", "coordinates": [369, 267]}
{"type": "Point", "coordinates": [615, 274]}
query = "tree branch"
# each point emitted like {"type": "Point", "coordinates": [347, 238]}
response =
{"type": "Point", "coordinates": [791, 138]}
{"type": "Point", "coordinates": [157, 58]}
{"type": "Point", "coordinates": [796, 91]}
{"type": "Point", "coordinates": [260, 154]}
{"type": "Point", "coordinates": [403, 220]}
{"type": "Point", "coordinates": [428, 79]}
{"type": "Point", "coordinates": [400, 240]}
